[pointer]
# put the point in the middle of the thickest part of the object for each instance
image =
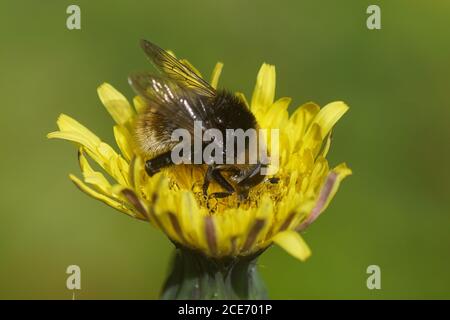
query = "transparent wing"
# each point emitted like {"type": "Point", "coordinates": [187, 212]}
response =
{"type": "Point", "coordinates": [175, 70]}
{"type": "Point", "coordinates": [171, 101]}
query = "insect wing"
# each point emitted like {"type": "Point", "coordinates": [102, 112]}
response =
{"type": "Point", "coordinates": [175, 70]}
{"type": "Point", "coordinates": [166, 98]}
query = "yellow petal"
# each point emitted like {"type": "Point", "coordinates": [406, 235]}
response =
{"type": "Point", "coordinates": [99, 196]}
{"type": "Point", "coordinates": [136, 178]}
{"type": "Point", "coordinates": [264, 92]}
{"type": "Point", "coordinates": [102, 153]}
{"type": "Point", "coordinates": [241, 96]}
{"type": "Point", "coordinates": [72, 130]}
{"type": "Point", "coordinates": [216, 74]}
{"type": "Point", "coordinates": [129, 197]}
{"type": "Point", "coordinates": [210, 234]}
{"type": "Point", "coordinates": [293, 243]}
{"type": "Point", "coordinates": [117, 105]}
{"type": "Point", "coordinates": [321, 125]}
{"type": "Point", "coordinates": [91, 176]}
{"type": "Point", "coordinates": [123, 140]}
{"type": "Point", "coordinates": [114, 164]}
{"type": "Point", "coordinates": [302, 117]}
{"type": "Point", "coordinates": [276, 116]}
{"type": "Point", "coordinates": [139, 104]}
{"type": "Point", "coordinates": [190, 220]}
{"type": "Point", "coordinates": [99, 151]}
{"type": "Point", "coordinates": [342, 170]}
{"type": "Point", "coordinates": [329, 115]}
{"type": "Point", "coordinates": [326, 146]}
{"type": "Point", "coordinates": [327, 192]}
{"type": "Point", "coordinates": [171, 53]}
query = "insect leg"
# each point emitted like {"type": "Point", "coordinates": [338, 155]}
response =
{"type": "Point", "coordinates": [213, 173]}
{"type": "Point", "coordinates": [253, 177]}
{"type": "Point", "coordinates": [217, 176]}
{"type": "Point", "coordinates": [220, 195]}
{"type": "Point", "coordinates": [208, 178]}
{"type": "Point", "coordinates": [154, 165]}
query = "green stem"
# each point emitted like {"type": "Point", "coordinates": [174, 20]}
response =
{"type": "Point", "coordinates": [196, 276]}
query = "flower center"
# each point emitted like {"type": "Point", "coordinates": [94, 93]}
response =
{"type": "Point", "coordinates": [192, 178]}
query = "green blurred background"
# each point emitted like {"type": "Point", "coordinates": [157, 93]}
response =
{"type": "Point", "coordinates": [393, 212]}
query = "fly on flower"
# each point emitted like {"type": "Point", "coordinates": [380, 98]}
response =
{"type": "Point", "coordinates": [181, 99]}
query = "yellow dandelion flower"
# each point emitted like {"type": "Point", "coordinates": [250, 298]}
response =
{"type": "Point", "coordinates": [226, 230]}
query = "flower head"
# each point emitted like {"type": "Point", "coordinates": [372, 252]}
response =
{"type": "Point", "coordinates": [172, 200]}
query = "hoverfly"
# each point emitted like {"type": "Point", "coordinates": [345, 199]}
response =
{"type": "Point", "coordinates": [177, 98]}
